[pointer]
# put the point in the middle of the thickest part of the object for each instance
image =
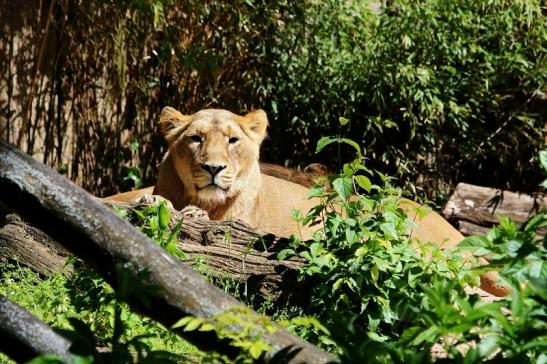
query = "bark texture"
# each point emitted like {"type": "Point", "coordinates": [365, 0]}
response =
{"type": "Point", "coordinates": [28, 245]}
{"type": "Point", "coordinates": [23, 336]}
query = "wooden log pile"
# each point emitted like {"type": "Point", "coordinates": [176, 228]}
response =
{"type": "Point", "coordinates": [85, 227]}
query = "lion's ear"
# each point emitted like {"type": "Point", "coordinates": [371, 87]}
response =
{"type": "Point", "coordinates": [256, 122]}
{"type": "Point", "coordinates": [173, 123]}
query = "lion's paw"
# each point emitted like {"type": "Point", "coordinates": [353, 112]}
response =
{"type": "Point", "coordinates": [147, 199]}
{"type": "Point", "coordinates": [194, 212]}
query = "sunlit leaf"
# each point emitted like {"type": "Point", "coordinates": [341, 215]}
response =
{"type": "Point", "coordinates": [323, 142]}
{"type": "Point", "coordinates": [363, 182]}
{"type": "Point", "coordinates": [163, 216]}
{"type": "Point", "coordinates": [343, 186]}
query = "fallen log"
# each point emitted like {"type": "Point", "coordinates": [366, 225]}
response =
{"type": "Point", "coordinates": [90, 230]}
{"type": "Point", "coordinates": [23, 336]}
{"type": "Point", "coordinates": [235, 250]}
{"type": "Point", "coordinates": [475, 209]}
{"type": "Point", "coordinates": [226, 249]}
{"type": "Point", "coordinates": [29, 246]}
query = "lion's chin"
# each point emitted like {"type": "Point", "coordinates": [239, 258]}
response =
{"type": "Point", "coordinates": [212, 195]}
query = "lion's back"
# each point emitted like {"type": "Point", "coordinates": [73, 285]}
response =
{"type": "Point", "coordinates": [276, 200]}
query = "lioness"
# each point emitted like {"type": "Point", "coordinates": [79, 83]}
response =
{"type": "Point", "coordinates": [213, 163]}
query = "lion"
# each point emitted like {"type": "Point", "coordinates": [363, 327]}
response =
{"type": "Point", "coordinates": [212, 162]}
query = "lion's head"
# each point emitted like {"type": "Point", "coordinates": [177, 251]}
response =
{"type": "Point", "coordinates": [214, 152]}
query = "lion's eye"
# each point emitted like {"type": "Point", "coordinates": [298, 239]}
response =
{"type": "Point", "coordinates": [196, 138]}
{"type": "Point", "coordinates": [233, 140]}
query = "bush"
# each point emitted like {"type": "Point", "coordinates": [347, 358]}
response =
{"type": "Point", "coordinates": [439, 92]}
{"type": "Point", "coordinates": [385, 299]}
{"type": "Point", "coordinates": [365, 267]}
{"type": "Point", "coordinates": [464, 82]}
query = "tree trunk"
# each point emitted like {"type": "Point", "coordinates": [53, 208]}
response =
{"type": "Point", "coordinates": [28, 245]}
{"type": "Point", "coordinates": [226, 250]}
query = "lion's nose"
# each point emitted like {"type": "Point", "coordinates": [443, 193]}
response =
{"type": "Point", "coordinates": [214, 169]}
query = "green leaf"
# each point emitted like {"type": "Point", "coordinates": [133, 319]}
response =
{"type": "Point", "coordinates": [428, 335]}
{"type": "Point", "coordinates": [182, 322]}
{"type": "Point", "coordinates": [323, 142]}
{"type": "Point", "coordinates": [474, 242]}
{"type": "Point", "coordinates": [351, 236]}
{"type": "Point", "coordinates": [538, 221]}
{"type": "Point", "coordinates": [481, 252]}
{"type": "Point", "coordinates": [51, 359]}
{"type": "Point", "coordinates": [389, 231]}
{"type": "Point", "coordinates": [175, 251]}
{"type": "Point", "coordinates": [374, 273]}
{"type": "Point", "coordinates": [257, 348]}
{"type": "Point", "coordinates": [363, 182]}
{"type": "Point", "coordinates": [193, 324]}
{"type": "Point", "coordinates": [285, 253]}
{"type": "Point", "coordinates": [316, 191]}
{"type": "Point", "coordinates": [543, 159]}
{"type": "Point", "coordinates": [316, 248]}
{"type": "Point", "coordinates": [488, 345]}
{"type": "Point", "coordinates": [174, 233]}
{"type": "Point", "coordinates": [343, 121]}
{"type": "Point", "coordinates": [207, 327]}
{"type": "Point", "coordinates": [351, 143]}
{"type": "Point", "coordinates": [163, 216]}
{"type": "Point", "coordinates": [81, 359]}
{"type": "Point", "coordinates": [337, 284]}
{"type": "Point", "coordinates": [343, 186]}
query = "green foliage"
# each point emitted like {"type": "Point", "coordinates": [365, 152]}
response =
{"type": "Point", "coordinates": [362, 255]}
{"type": "Point", "coordinates": [444, 90]}
{"type": "Point", "coordinates": [153, 221]}
{"type": "Point", "coordinates": [86, 309]}
{"type": "Point", "coordinates": [509, 330]}
{"type": "Point", "coordinates": [464, 81]}
{"type": "Point", "coordinates": [513, 248]}
{"type": "Point", "coordinates": [384, 300]}
{"type": "Point", "coordinates": [449, 91]}
{"type": "Point", "coordinates": [241, 327]}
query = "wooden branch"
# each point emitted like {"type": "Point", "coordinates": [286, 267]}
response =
{"type": "Point", "coordinates": [23, 336]}
{"type": "Point", "coordinates": [476, 208]}
{"type": "Point", "coordinates": [94, 233]}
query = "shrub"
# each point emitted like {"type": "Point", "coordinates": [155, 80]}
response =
{"type": "Point", "coordinates": [365, 266]}
{"type": "Point", "coordinates": [464, 83]}
{"type": "Point", "coordinates": [439, 91]}
{"type": "Point", "coordinates": [382, 301]}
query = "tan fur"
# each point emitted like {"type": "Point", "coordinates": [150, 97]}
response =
{"type": "Point", "coordinates": [130, 196]}
{"type": "Point", "coordinates": [239, 190]}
